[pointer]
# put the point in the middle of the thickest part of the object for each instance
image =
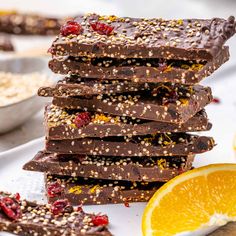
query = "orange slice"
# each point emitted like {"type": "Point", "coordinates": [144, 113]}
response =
{"type": "Point", "coordinates": [193, 203]}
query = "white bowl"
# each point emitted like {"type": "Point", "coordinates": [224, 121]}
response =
{"type": "Point", "coordinates": [15, 114]}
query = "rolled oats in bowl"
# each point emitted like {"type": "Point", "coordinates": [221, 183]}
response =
{"type": "Point", "coordinates": [17, 87]}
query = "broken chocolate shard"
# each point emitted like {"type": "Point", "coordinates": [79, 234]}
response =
{"type": "Point", "coordinates": [39, 219]}
{"type": "Point", "coordinates": [173, 144]}
{"type": "Point", "coordinates": [96, 192]}
{"type": "Point", "coordinates": [60, 124]}
{"type": "Point", "coordinates": [76, 86]}
{"type": "Point", "coordinates": [143, 105]}
{"type": "Point", "coordinates": [188, 39]}
{"type": "Point", "coordinates": [153, 169]}
{"type": "Point", "coordinates": [29, 24]}
{"type": "Point", "coordinates": [227, 229]}
{"type": "Point", "coordinates": [146, 71]}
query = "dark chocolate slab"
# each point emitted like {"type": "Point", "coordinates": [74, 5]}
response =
{"type": "Point", "coordinates": [37, 219]}
{"type": "Point", "coordinates": [145, 105]}
{"type": "Point", "coordinates": [153, 169]}
{"type": "Point", "coordinates": [96, 192]}
{"type": "Point", "coordinates": [186, 39]}
{"type": "Point", "coordinates": [151, 145]}
{"type": "Point", "coordinates": [143, 70]}
{"type": "Point", "coordinates": [60, 124]}
{"type": "Point", "coordinates": [76, 86]}
{"type": "Point", "coordinates": [6, 43]}
{"type": "Point", "coordinates": [29, 24]}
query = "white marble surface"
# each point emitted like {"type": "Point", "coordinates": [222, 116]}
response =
{"type": "Point", "coordinates": [223, 82]}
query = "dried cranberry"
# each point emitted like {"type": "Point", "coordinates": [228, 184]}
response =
{"type": "Point", "coordinates": [50, 50]}
{"type": "Point", "coordinates": [17, 196]}
{"type": "Point", "coordinates": [55, 189]}
{"type": "Point", "coordinates": [101, 28]}
{"type": "Point", "coordinates": [79, 208]}
{"type": "Point", "coordinates": [126, 202]}
{"type": "Point", "coordinates": [81, 158]}
{"type": "Point", "coordinates": [61, 206]}
{"type": "Point", "coordinates": [10, 207]}
{"type": "Point", "coordinates": [216, 100]}
{"type": "Point", "coordinates": [71, 27]}
{"type": "Point", "coordinates": [171, 98]}
{"type": "Point", "coordinates": [100, 220]}
{"type": "Point", "coordinates": [82, 119]}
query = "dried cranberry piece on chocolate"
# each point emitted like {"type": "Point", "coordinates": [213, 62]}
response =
{"type": "Point", "coordinates": [100, 220]}
{"type": "Point", "coordinates": [17, 196]}
{"type": "Point", "coordinates": [101, 28]}
{"type": "Point", "coordinates": [10, 207]}
{"type": "Point", "coordinates": [79, 208]}
{"type": "Point", "coordinates": [55, 189]}
{"type": "Point", "coordinates": [216, 100]}
{"type": "Point", "coordinates": [71, 27]}
{"type": "Point", "coordinates": [61, 206]}
{"type": "Point", "coordinates": [171, 98]}
{"type": "Point", "coordinates": [82, 119]}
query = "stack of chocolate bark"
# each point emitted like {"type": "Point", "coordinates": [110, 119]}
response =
{"type": "Point", "coordinates": [118, 124]}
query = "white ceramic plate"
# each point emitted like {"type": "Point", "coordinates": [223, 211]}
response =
{"type": "Point", "coordinates": [124, 220]}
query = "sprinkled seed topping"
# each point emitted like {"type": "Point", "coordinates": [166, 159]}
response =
{"type": "Point", "coordinates": [148, 35]}
{"type": "Point", "coordinates": [106, 161]}
{"type": "Point", "coordinates": [162, 94]}
{"type": "Point", "coordinates": [54, 218]}
{"type": "Point", "coordinates": [58, 116]}
{"type": "Point", "coordinates": [163, 64]}
{"type": "Point", "coordinates": [78, 185]}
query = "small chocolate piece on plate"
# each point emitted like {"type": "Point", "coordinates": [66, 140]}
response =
{"type": "Point", "coordinates": [22, 217]}
{"type": "Point", "coordinates": [225, 230]}
{"type": "Point", "coordinates": [140, 70]}
{"type": "Point", "coordinates": [5, 43]}
{"type": "Point", "coordinates": [94, 191]}
{"type": "Point", "coordinates": [172, 105]}
{"type": "Point", "coordinates": [153, 169]}
{"type": "Point", "coordinates": [29, 24]}
{"type": "Point", "coordinates": [166, 144]}
{"type": "Point", "coordinates": [61, 124]}
{"type": "Point", "coordinates": [187, 39]}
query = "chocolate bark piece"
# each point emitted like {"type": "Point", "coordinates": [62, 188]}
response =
{"type": "Point", "coordinates": [5, 43]}
{"type": "Point", "coordinates": [173, 144]}
{"type": "Point", "coordinates": [77, 86]}
{"type": "Point", "coordinates": [60, 124]}
{"type": "Point", "coordinates": [188, 39]}
{"type": "Point", "coordinates": [142, 70]}
{"type": "Point", "coordinates": [37, 219]}
{"type": "Point", "coordinates": [94, 191]}
{"type": "Point", "coordinates": [144, 105]}
{"type": "Point", "coordinates": [29, 24]}
{"type": "Point", "coordinates": [153, 169]}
